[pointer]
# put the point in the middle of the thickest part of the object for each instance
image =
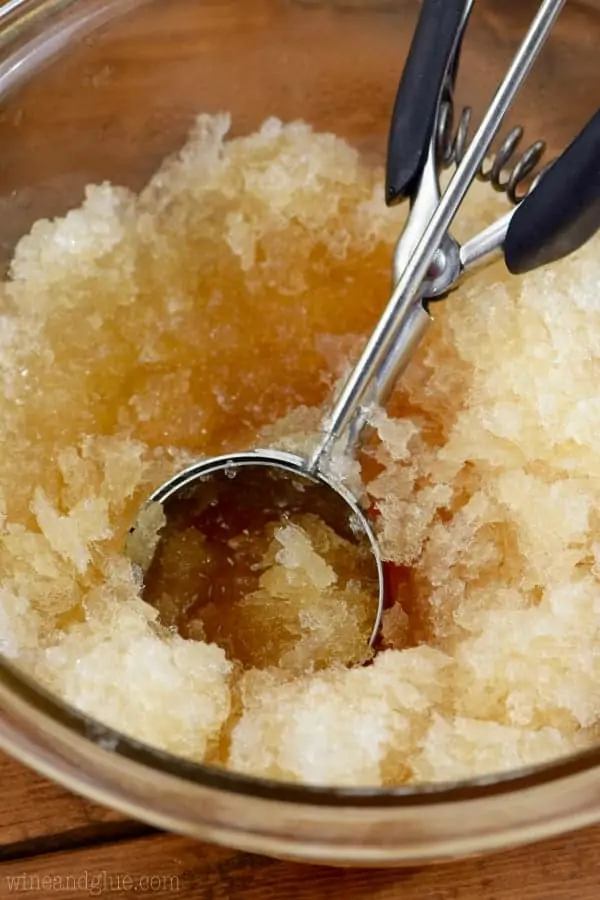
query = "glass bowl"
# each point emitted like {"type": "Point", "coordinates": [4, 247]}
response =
{"type": "Point", "coordinates": [96, 90]}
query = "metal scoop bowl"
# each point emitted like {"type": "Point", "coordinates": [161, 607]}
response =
{"type": "Point", "coordinates": [226, 496]}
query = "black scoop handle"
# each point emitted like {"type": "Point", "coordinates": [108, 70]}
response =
{"type": "Point", "coordinates": [415, 108]}
{"type": "Point", "coordinates": [563, 211]}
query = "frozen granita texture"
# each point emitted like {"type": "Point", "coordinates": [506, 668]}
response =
{"type": "Point", "coordinates": [216, 311]}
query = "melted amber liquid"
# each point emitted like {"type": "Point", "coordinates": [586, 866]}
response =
{"type": "Point", "coordinates": [242, 558]}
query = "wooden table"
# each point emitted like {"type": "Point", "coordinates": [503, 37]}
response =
{"type": "Point", "coordinates": [53, 843]}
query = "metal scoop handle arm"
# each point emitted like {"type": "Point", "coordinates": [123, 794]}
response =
{"type": "Point", "coordinates": [400, 306]}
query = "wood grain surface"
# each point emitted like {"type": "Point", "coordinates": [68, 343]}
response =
{"type": "Point", "coordinates": [112, 108]}
{"type": "Point", "coordinates": [34, 809]}
{"type": "Point", "coordinates": [111, 858]}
